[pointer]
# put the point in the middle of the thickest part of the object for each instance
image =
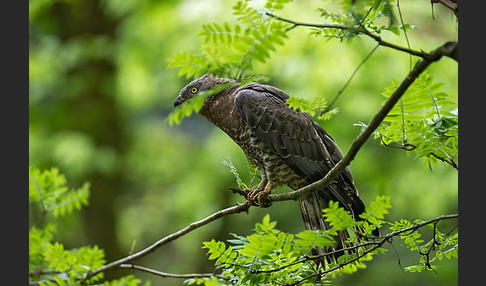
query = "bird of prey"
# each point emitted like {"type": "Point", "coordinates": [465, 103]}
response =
{"type": "Point", "coordinates": [288, 147]}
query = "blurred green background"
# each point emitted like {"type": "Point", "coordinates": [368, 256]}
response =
{"type": "Point", "coordinates": [100, 90]}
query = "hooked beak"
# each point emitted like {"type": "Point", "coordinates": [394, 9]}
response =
{"type": "Point", "coordinates": [179, 100]}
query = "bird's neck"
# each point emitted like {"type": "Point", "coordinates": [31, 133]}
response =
{"type": "Point", "coordinates": [219, 109]}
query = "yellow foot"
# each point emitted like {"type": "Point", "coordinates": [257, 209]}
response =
{"type": "Point", "coordinates": [258, 197]}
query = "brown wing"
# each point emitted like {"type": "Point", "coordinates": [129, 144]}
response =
{"type": "Point", "coordinates": [301, 143]}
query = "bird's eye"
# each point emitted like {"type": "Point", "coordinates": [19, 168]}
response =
{"type": "Point", "coordinates": [194, 90]}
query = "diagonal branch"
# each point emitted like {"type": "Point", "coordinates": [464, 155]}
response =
{"type": "Point", "coordinates": [448, 49]}
{"type": "Point", "coordinates": [117, 263]}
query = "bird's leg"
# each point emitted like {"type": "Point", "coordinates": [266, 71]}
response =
{"type": "Point", "coordinates": [250, 193]}
{"type": "Point", "coordinates": [261, 196]}
{"type": "Point", "coordinates": [257, 196]}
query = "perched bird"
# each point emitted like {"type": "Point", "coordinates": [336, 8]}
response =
{"type": "Point", "coordinates": [288, 147]}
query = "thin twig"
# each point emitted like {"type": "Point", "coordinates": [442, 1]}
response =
{"type": "Point", "coordinates": [336, 97]}
{"type": "Point", "coordinates": [170, 275]}
{"type": "Point", "coordinates": [404, 31]}
{"type": "Point", "coordinates": [116, 264]}
{"type": "Point", "coordinates": [410, 147]}
{"type": "Point", "coordinates": [39, 272]}
{"type": "Point", "coordinates": [447, 160]}
{"type": "Point", "coordinates": [376, 244]}
{"type": "Point", "coordinates": [359, 30]}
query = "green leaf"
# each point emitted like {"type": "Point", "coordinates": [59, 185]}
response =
{"type": "Point", "coordinates": [49, 188]}
{"type": "Point", "coordinates": [422, 122]}
{"type": "Point", "coordinates": [309, 239]}
{"type": "Point", "coordinates": [266, 224]}
{"type": "Point", "coordinates": [394, 30]}
{"type": "Point", "coordinates": [338, 217]}
{"type": "Point", "coordinates": [234, 171]}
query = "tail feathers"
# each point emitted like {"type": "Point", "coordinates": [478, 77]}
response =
{"type": "Point", "coordinates": [311, 209]}
{"type": "Point", "coordinates": [347, 196]}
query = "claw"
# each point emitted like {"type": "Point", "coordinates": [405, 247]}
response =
{"type": "Point", "coordinates": [257, 197]}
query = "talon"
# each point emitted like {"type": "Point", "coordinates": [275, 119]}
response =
{"type": "Point", "coordinates": [257, 197]}
{"type": "Point", "coordinates": [254, 194]}
{"type": "Point", "coordinates": [262, 199]}
{"type": "Point", "coordinates": [249, 196]}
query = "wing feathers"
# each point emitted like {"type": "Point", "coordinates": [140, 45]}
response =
{"type": "Point", "coordinates": [267, 120]}
{"type": "Point", "coordinates": [301, 143]}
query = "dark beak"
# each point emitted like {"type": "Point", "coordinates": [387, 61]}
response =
{"type": "Point", "coordinates": [178, 101]}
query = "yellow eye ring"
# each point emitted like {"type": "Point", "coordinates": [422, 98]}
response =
{"type": "Point", "coordinates": [194, 90]}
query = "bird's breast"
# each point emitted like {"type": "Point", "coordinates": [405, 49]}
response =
{"type": "Point", "coordinates": [275, 170]}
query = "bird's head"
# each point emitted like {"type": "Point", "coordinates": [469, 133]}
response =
{"type": "Point", "coordinates": [196, 87]}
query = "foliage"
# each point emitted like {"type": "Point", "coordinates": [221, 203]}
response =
{"type": "Point", "coordinates": [99, 88]}
{"type": "Point", "coordinates": [441, 245]}
{"type": "Point", "coordinates": [357, 16]}
{"type": "Point", "coordinates": [49, 262]}
{"type": "Point", "coordinates": [316, 108]}
{"type": "Point", "coordinates": [241, 184]}
{"type": "Point", "coordinates": [229, 50]}
{"type": "Point", "coordinates": [49, 189]}
{"type": "Point", "coordinates": [272, 257]}
{"type": "Point", "coordinates": [424, 122]}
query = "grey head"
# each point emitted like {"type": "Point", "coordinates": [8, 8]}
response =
{"type": "Point", "coordinates": [195, 87]}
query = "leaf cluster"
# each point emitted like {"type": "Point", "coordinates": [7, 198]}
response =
{"type": "Point", "coordinates": [314, 108]}
{"type": "Point", "coordinates": [253, 172]}
{"type": "Point", "coordinates": [229, 49]}
{"type": "Point", "coordinates": [424, 121]}
{"type": "Point", "coordinates": [273, 257]}
{"type": "Point", "coordinates": [440, 246]}
{"type": "Point", "coordinates": [48, 188]}
{"type": "Point", "coordinates": [269, 256]}
{"type": "Point", "coordinates": [50, 263]}
{"type": "Point", "coordinates": [358, 16]}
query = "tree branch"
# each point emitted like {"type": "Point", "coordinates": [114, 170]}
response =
{"type": "Point", "coordinates": [170, 275]}
{"type": "Point", "coordinates": [117, 264]}
{"type": "Point", "coordinates": [448, 49]}
{"type": "Point", "coordinates": [360, 30]}
{"type": "Point", "coordinates": [451, 5]}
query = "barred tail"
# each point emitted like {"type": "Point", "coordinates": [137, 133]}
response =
{"type": "Point", "coordinates": [311, 209]}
